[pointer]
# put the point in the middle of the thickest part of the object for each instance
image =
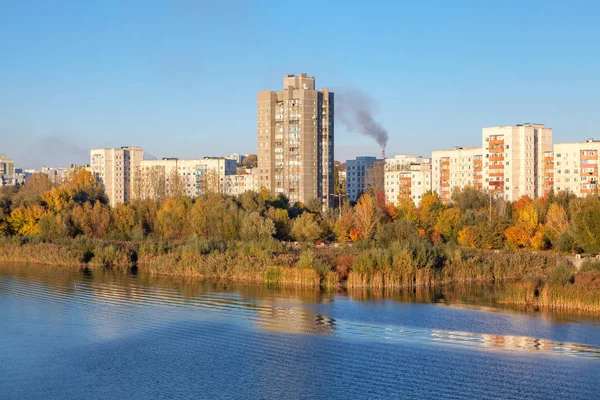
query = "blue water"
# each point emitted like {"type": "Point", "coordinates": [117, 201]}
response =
{"type": "Point", "coordinates": [69, 335]}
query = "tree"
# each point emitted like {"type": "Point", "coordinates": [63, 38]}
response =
{"type": "Point", "coordinates": [375, 179]}
{"type": "Point", "coordinates": [251, 161]}
{"type": "Point", "coordinates": [365, 216]}
{"type": "Point", "coordinates": [82, 187]}
{"type": "Point", "coordinates": [449, 224]}
{"type": "Point", "coordinates": [24, 219]}
{"type": "Point", "coordinates": [343, 225]}
{"type": "Point", "coordinates": [585, 223]}
{"type": "Point", "coordinates": [171, 218]}
{"type": "Point", "coordinates": [56, 199]}
{"type": "Point", "coordinates": [306, 228]}
{"type": "Point", "coordinates": [469, 198]}
{"type": "Point", "coordinates": [94, 220]}
{"type": "Point", "coordinates": [557, 222]}
{"type": "Point", "coordinates": [252, 202]}
{"type": "Point", "coordinates": [428, 212]}
{"type": "Point", "coordinates": [255, 227]}
{"type": "Point", "coordinates": [33, 189]}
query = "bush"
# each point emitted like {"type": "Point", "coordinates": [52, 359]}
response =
{"type": "Point", "coordinates": [565, 243]}
{"type": "Point", "coordinates": [561, 274]}
{"type": "Point", "coordinates": [590, 265]}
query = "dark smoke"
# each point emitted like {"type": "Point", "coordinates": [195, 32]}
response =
{"type": "Point", "coordinates": [355, 110]}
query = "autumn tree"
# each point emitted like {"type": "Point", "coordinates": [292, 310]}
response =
{"type": "Point", "coordinates": [585, 223]}
{"type": "Point", "coordinates": [343, 225]}
{"type": "Point", "coordinates": [557, 222]}
{"type": "Point", "coordinates": [251, 161]}
{"type": "Point", "coordinates": [255, 227]}
{"type": "Point", "coordinates": [375, 179]}
{"type": "Point", "coordinates": [82, 187]}
{"type": "Point", "coordinates": [306, 228]}
{"type": "Point", "coordinates": [32, 190]}
{"type": "Point", "coordinates": [94, 220]}
{"type": "Point", "coordinates": [24, 219]}
{"type": "Point", "coordinates": [365, 216]}
{"type": "Point", "coordinates": [171, 219]}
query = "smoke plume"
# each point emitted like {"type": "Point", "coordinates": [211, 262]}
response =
{"type": "Point", "coordinates": [355, 110]}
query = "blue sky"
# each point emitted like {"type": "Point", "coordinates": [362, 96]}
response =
{"type": "Point", "coordinates": [180, 77]}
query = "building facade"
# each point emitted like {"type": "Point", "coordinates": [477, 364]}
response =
{"type": "Point", "coordinates": [158, 178]}
{"type": "Point", "coordinates": [356, 173]}
{"type": "Point", "coordinates": [296, 140]}
{"type": "Point", "coordinates": [576, 167]}
{"type": "Point", "coordinates": [458, 167]}
{"type": "Point", "coordinates": [408, 181]}
{"type": "Point", "coordinates": [513, 162]}
{"type": "Point", "coordinates": [7, 171]}
{"type": "Point", "coordinates": [116, 169]}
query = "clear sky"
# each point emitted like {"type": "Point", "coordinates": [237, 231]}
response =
{"type": "Point", "coordinates": [180, 77]}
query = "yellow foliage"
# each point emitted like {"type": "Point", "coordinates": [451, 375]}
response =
{"type": "Point", "coordinates": [56, 199]}
{"type": "Point", "coordinates": [466, 237]}
{"type": "Point", "coordinates": [24, 219]}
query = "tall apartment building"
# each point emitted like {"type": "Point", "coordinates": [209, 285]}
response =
{"type": "Point", "coordinates": [7, 171]}
{"type": "Point", "coordinates": [576, 167]}
{"type": "Point", "coordinates": [458, 167]}
{"type": "Point", "coordinates": [409, 181]}
{"type": "Point", "coordinates": [356, 172]}
{"type": "Point", "coordinates": [548, 172]}
{"type": "Point", "coordinates": [295, 140]}
{"type": "Point", "coordinates": [513, 160]}
{"type": "Point", "coordinates": [157, 177]}
{"type": "Point", "coordinates": [116, 170]}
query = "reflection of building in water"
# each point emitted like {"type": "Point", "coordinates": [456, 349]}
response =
{"type": "Point", "coordinates": [292, 320]}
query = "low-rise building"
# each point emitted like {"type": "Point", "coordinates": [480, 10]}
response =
{"type": "Point", "coordinates": [234, 185]}
{"type": "Point", "coordinates": [7, 171]}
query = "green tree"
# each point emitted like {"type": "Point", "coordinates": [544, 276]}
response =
{"type": "Point", "coordinates": [306, 228]}
{"type": "Point", "coordinates": [255, 227]}
{"type": "Point", "coordinates": [585, 223]}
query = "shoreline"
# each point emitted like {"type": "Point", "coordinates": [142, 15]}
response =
{"type": "Point", "coordinates": [515, 290]}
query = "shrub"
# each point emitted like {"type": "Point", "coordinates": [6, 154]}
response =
{"type": "Point", "coordinates": [590, 265]}
{"type": "Point", "coordinates": [561, 274]}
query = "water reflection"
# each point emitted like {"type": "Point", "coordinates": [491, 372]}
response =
{"type": "Point", "coordinates": [116, 305]}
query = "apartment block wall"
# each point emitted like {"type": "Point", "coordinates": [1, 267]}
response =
{"type": "Point", "coordinates": [458, 167]}
{"type": "Point", "coordinates": [295, 132]}
{"type": "Point", "coordinates": [576, 167]}
{"type": "Point", "coordinates": [116, 170]}
{"type": "Point", "coordinates": [356, 172]}
{"type": "Point", "coordinates": [408, 181]}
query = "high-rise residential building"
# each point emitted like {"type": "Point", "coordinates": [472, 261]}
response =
{"type": "Point", "coordinates": [458, 167]}
{"type": "Point", "coordinates": [576, 167]}
{"type": "Point", "coordinates": [295, 133]}
{"type": "Point", "coordinates": [116, 170]}
{"type": "Point", "coordinates": [356, 174]}
{"type": "Point", "coordinates": [513, 162]}
{"type": "Point", "coordinates": [408, 181]}
{"type": "Point", "coordinates": [7, 171]}
{"type": "Point", "coordinates": [157, 178]}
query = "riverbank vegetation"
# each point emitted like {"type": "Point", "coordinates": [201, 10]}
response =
{"type": "Point", "coordinates": [257, 237]}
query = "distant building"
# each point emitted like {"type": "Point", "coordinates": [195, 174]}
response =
{"type": "Point", "coordinates": [456, 168]}
{"type": "Point", "coordinates": [234, 185]}
{"type": "Point", "coordinates": [116, 170]}
{"type": "Point", "coordinates": [237, 157]}
{"type": "Point", "coordinates": [67, 173]}
{"type": "Point", "coordinates": [356, 172]}
{"type": "Point", "coordinates": [548, 175]}
{"type": "Point", "coordinates": [576, 167]}
{"type": "Point", "coordinates": [513, 160]}
{"type": "Point", "coordinates": [161, 177]}
{"type": "Point", "coordinates": [408, 181]}
{"type": "Point", "coordinates": [295, 140]}
{"type": "Point", "coordinates": [7, 171]}
{"type": "Point", "coordinates": [400, 160]}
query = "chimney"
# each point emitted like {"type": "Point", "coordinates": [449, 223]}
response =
{"type": "Point", "coordinates": [383, 154]}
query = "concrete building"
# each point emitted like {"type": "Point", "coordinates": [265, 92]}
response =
{"type": "Point", "coordinates": [237, 157]}
{"type": "Point", "coordinates": [240, 183]}
{"type": "Point", "coordinates": [409, 181]}
{"type": "Point", "coordinates": [157, 178]}
{"type": "Point", "coordinates": [576, 167]}
{"type": "Point", "coordinates": [401, 160]}
{"type": "Point", "coordinates": [356, 172]}
{"type": "Point", "coordinates": [548, 175]}
{"type": "Point", "coordinates": [7, 171]}
{"type": "Point", "coordinates": [116, 170]}
{"type": "Point", "coordinates": [513, 160]}
{"type": "Point", "coordinates": [458, 167]}
{"type": "Point", "coordinates": [295, 131]}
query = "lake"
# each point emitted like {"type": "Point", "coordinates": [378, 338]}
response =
{"type": "Point", "coordinates": [68, 334]}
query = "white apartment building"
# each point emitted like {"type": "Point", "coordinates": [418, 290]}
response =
{"type": "Point", "coordinates": [458, 167]}
{"type": "Point", "coordinates": [513, 161]}
{"type": "Point", "coordinates": [116, 170]}
{"type": "Point", "coordinates": [576, 167]}
{"type": "Point", "coordinates": [234, 185]}
{"type": "Point", "coordinates": [402, 160]}
{"type": "Point", "coordinates": [410, 181]}
{"type": "Point", "coordinates": [356, 172]}
{"type": "Point", "coordinates": [156, 177]}
{"type": "Point", "coordinates": [237, 157]}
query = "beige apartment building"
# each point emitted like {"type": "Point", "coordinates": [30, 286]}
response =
{"type": "Point", "coordinates": [235, 185]}
{"type": "Point", "coordinates": [7, 171]}
{"type": "Point", "coordinates": [158, 178]}
{"type": "Point", "coordinates": [458, 167]}
{"type": "Point", "coordinates": [576, 167]}
{"type": "Point", "coordinates": [408, 181]}
{"type": "Point", "coordinates": [513, 162]}
{"type": "Point", "coordinates": [116, 170]}
{"type": "Point", "coordinates": [295, 132]}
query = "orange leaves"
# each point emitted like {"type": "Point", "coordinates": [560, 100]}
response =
{"type": "Point", "coordinates": [365, 216]}
{"type": "Point", "coordinates": [466, 237]}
